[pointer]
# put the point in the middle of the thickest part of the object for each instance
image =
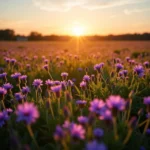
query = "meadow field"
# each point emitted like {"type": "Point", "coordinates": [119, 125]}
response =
{"type": "Point", "coordinates": [69, 96]}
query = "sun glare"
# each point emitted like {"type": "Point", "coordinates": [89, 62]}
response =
{"type": "Point", "coordinates": [78, 30]}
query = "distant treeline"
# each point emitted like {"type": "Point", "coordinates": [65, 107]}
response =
{"type": "Point", "coordinates": [9, 35]}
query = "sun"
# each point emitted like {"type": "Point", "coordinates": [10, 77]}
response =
{"type": "Point", "coordinates": [78, 30]}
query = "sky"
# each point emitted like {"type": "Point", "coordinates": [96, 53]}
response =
{"type": "Point", "coordinates": [61, 16]}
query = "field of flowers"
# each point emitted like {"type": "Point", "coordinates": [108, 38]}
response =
{"type": "Point", "coordinates": [53, 97]}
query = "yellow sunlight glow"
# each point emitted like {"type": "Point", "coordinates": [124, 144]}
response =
{"type": "Point", "coordinates": [78, 30]}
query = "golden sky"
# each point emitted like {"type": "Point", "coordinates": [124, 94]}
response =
{"type": "Point", "coordinates": [62, 16]}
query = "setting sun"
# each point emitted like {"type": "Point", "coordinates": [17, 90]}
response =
{"type": "Point", "coordinates": [78, 30]}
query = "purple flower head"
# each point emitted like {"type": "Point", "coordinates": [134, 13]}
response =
{"type": "Point", "coordinates": [27, 112]}
{"type": "Point", "coordinates": [96, 106]}
{"type": "Point", "coordinates": [86, 78]}
{"type": "Point", "coordinates": [13, 61]}
{"type": "Point", "coordinates": [3, 75]}
{"type": "Point", "coordinates": [7, 60]}
{"type": "Point", "coordinates": [83, 85]}
{"type": "Point", "coordinates": [2, 93]}
{"type": "Point", "coordinates": [98, 67]}
{"type": "Point", "coordinates": [57, 90]}
{"type": "Point", "coordinates": [67, 125]}
{"type": "Point", "coordinates": [46, 61]}
{"type": "Point", "coordinates": [19, 97]}
{"type": "Point", "coordinates": [83, 120]}
{"type": "Point", "coordinates": [7, 86]}
{"type": "Point", "coordinates": [125, 72]}
{"type": "Point", "coordinates": [94, 145]}
{"type": "Point", "coordinates": [23, 77]}
{"type": "Point", "coordinates": [147, 100]}
{"type": "Point", "coordinates": [37, 83]}
{"type": "Point", "coordinates": [118, 60]}
{"type": "Point", "coordinates": [80, 69]}
{"type": "Point", "coordinates": [59, 133]}
{"type": "Point", "coordinates": [3, 118]}
{"type": "Point", "coordinates": [9, 111]}
{"type": "Point", "coordinates": [16, 75]}
{"type": "Point", "coordinates": [116, 103]}
{"type": "Point", "coordinates": [57, 82]}
{"type": "Point", "coordinates": [70, 83]}
{"type": "Point", "coordinates": [139, 70]}
{"type": "Point", "coordinates": [98, 133]}
{"type": "Point", "coordinates": [81, 103]}
{"type": "Point", "coordinates": [25, 90]}
{"type": "Point", "coordinates": [64, 75]}
{"type": "Point", "coordinates": [49, 83]}
{"type": "Point", "coordinates": [146, 64]}
{"type": "Point", "coordinates": [46, 67]}
{"type": "Point", "coordinates": [77, 132]}
{"type": "Point", "coordinates": [28, 66]}
{"type": "Point", "coordinates": [119, 67]}
{"type": "Point", "coordinates": [127, 59]}
{"type": "Point", "coordinates": [106, 115]}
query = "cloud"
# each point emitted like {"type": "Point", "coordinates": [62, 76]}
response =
{"type": "Point", "coordinates": [65, 5]}
{"type": "Point", "coordinates": [128, 12]}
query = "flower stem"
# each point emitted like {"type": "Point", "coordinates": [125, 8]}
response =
{"type": "Point", "coordinates": [115, 129]}
{"type": "Point", "coordinates": [128, 136]}
{"type": "Point", "coordinates": [32, 136]}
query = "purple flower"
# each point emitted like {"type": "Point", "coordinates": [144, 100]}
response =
{"type": "Point", "coordinates": [46, 67]}
{"type": "Point", "coordinates": [16, 75]}
{"type": "Point", "coordinates": [57, 90]}
{"type": "Point", "coordinates": [116, 102]}
{"type": "Point", "coordinates": [57, 82]}
{"type": "Point", "coordinates": [83, 85]}
{"type": "Point", "coordinates": [25, 90]}
{"type": "Point", "coordinates": [23, 77]}
{"type": "Point", "coordinates": [127, 59]}
{"type": "Point", "coordinates": [94, 145]}
{"type": "Point", "coordinates": [98, 67]}
{"type": "Point", "coordinates": [59, 133]}
{"type": "Point", "coordinates": [64, 75]}
{"type": "Point", "coordinates": [106, 115]}
{"type": "Point", "coordinates": [86, 78]}
{"type": "Point", "coordinates": [139, 70]}
{"type": "Point", "coordinates": [70, 83]}
{"type": "Point", "coordinates": [37, 83]}
{"type": "Point", "coordinates": [96, 106]}
{"type": "Point", "coordinates": [81, 103]}
{"type": "Point", "coordinates": [146, 64]}
{"type": "Point", "coordinates": [49, 83]}
{"type": "Point", "coordinates": [98, 133]}
{"type": "Point", "coordinates": [3, 118]}
{"type": "Point", "coordinates": [7, 86]}
{"type": "Point", "coordinates": [119, 66]}
{"type": "Point", "coordinates": [27, 112]}
{"type": "Point", "coordinates": [77, 132]}
{"type": "Point", "coordinates": [3, 75]}
{"type": "Point", "coordinates": [13, 61]}
{"type": "Point", "coordinates": [46, 61]}
{"type": "Point", "coordinates": [147, 100]}
{"type": "Point", "coordinates": [2, 93]}
{"type": "Point", "coordinates": [83, 120]}
{"type": "Point", "coordinates": [19, 97]}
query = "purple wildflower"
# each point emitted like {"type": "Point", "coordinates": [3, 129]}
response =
{"type": "Point", "coordinates": [19, 97]}
{"type": "Point", "coordinates": [49, 83]}
{"type": "Point", "coordinates": [13, 61]}
{"type": "Point", "coordinates": [59, 133]}
{"type": "Point", "coordinates": [96, 106]}
{"type": "Point", "coordinates": [3, 118]}
{"type": "Point", "coordinates": [27, 112]}
{"type": "Point", "coordinates": [147, 100]}
{"type": "Point", "coordinates": [64, 75]}
{"type": "Point", "coordinates": [146, 64]}
{"type": "Point", "coordinates": [83, 85]}
{"type": "Point", "coordinates": [7, 86]}
{"type": "Point", "coordinates": [106, 115]}
{"type": "Point", "coordinates": [119, 67]}
{"type": "Point", "coordinates": [37, 83]}
{"type": "Point", "coordinates": [116, 103]}
{"type": "Point", "coordinates": [98, 133]}
{"type": "Point", "coordinates": [98, 67]}
{"type": "Point", "coordinates": [83, 120]}
{"type": "Point", "coordinates": [81, 103]}
{"type": "Point", "coordinates": [2, 93]}
{"type": "Point", "coordinates": [57, 90]}
{"type": "Point", "coordinates": [25, 90]}
{"type": "Point", "coordinates": [94, 145]}
{"type": "Point", "coordinates": [23, 77]}
{"type": "Point", "coordinates": [3, 75]}
{"type": "Point", "coordinates": [46, 67]}
{"type": "Point", "coordinates": [16, 75]}
{"type": "Point", "coordinates": [86, 78]}
{"type": "Point", "coordinates": [77, 132]}
{"type": "Point", "coordinates": [139, 70]}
